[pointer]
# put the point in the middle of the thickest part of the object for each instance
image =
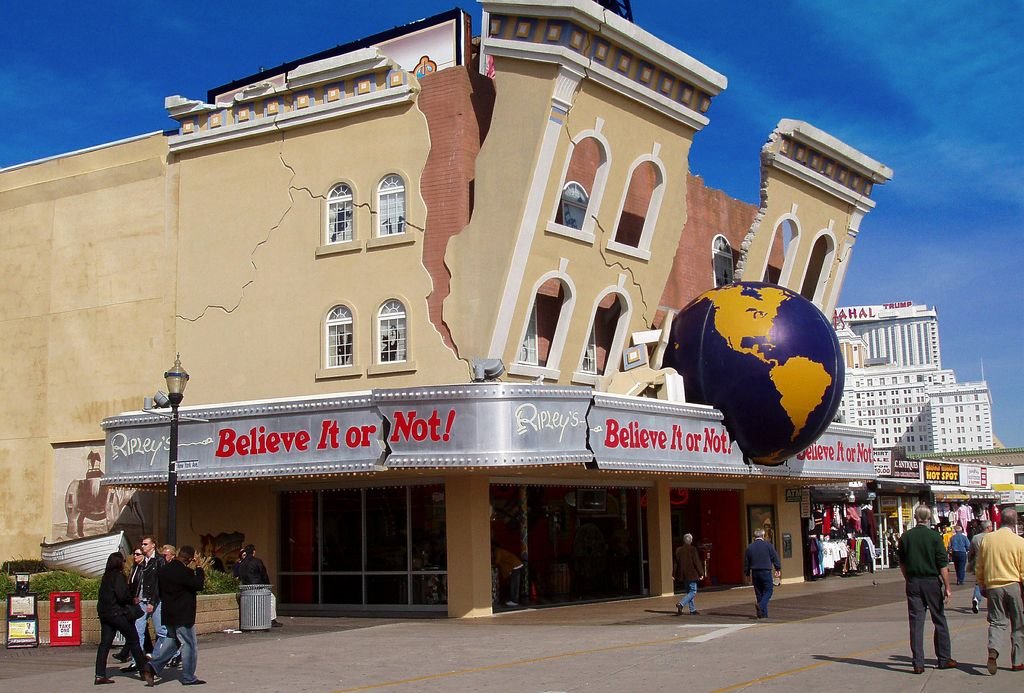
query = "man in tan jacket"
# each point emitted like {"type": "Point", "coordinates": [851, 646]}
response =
{"type": "Point", "coordinates": [1000, 572]}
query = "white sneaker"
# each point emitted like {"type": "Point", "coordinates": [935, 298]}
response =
{"type": "Point", "coordinates": [511, 603]}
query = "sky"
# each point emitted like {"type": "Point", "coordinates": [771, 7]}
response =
{"type": "Point", "coordinates": [933, 90]}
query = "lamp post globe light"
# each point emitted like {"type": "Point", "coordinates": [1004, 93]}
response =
{"type": "Point", "coordinates": [176, 379]}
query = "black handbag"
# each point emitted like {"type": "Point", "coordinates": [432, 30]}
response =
{"type": "Point", "coordinates": [133, 612]}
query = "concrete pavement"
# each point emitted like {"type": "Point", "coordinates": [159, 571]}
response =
{"type": "Point", "coordinates": [837, 634]}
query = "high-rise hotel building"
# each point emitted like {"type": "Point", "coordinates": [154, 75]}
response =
{"type": "Point", "coordinates": [895, 382]}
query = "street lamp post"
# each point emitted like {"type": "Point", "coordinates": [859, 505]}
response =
{"type": "Point", "coordinates": [176, 379]}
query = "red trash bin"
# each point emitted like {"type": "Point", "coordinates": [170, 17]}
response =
{"type": "Point", "coordinates": [65, 619]}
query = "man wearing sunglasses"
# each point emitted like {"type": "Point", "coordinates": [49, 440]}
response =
{"type": "Point", "coordinates": [148, 594]}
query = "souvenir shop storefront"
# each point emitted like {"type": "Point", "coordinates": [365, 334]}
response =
{"type": "Point", "coordinates": [963, 494]}
{"type": "Point", "coordinates": [840, 531]}
{"type": "Point", "coordinates": [898, 489]}
{"type": "Point", "coordinates": [395, 500]}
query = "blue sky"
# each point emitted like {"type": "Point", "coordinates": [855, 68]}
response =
{"type": "Point", "coordinates": [933, 90]}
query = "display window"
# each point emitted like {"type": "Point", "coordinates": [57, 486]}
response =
{"type": "Point", "coordinates": [575, 543]}
{"type": "Point", "coordinates": [364, 547]}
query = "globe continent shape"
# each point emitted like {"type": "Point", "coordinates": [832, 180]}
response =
{"type": "Point", "coordinates": [767, 358]}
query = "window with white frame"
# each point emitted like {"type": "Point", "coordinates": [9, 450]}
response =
{"type": "Point", "coordinates": [644, 186]}
{"type": "Point", "coordinates": [574, 203]}
{"type": "Point", "coordinates": [602, 334]}
{"type": "Point", "coordinates": [391, 206]}
{"type": "Point", "coordinates": [391, 332]}
{"type": "Point", "coordinates": [339, 214]}
{"type": "Point", "coordinates": [723, 263]}
{"type": "Point", "coordinates": [589, 364]}
{"type": "Point", "coordinates": [339, 337]}
{"type": "Point", "coordinates": [528, 352]}
{"type": "Point", "coordinates": [542, 325]}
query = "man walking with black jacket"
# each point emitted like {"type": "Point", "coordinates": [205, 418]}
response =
{"type": "Point", "coordinates": [180, 581]}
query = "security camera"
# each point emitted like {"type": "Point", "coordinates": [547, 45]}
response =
{"type": "Point", "coordinates": [161, 400]}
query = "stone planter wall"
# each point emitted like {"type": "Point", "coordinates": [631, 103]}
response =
{"type": "Point", "coordinates": [214, 613]}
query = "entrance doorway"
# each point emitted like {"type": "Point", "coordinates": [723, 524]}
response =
{"type": "Point", "coordinates": [714, 518]}
{"type": "Point", "coordinates": [578, 543]}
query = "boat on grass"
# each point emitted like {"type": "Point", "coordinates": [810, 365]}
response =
{"type": "Point", "coordinates": [86, 556]}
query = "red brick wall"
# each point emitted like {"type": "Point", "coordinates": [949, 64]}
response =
{"type": "Point", "coordinates": [457, 104]}
{"type": "Point", "coordinates": [709, 213]}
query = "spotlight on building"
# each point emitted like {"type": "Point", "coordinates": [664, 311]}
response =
{"type": "Point", "coordinates": [487, 369]}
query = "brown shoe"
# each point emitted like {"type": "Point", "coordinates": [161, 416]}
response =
{"type": "Point", "coordinates": [948, 664]}
{"type": "Point", "coordinates": [918, 670]}
{"type": "Point", "coordinates": [149, 674]}
{"type": "Point", "coordinates": [991, 664]}
{"type": "Point", "coordinates": [101, 680]}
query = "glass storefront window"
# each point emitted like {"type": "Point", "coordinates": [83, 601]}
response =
{"type": "Point", "coordinates": [582, 543]}
{"type": "Point", "coordinates": [342, 522]}
{"type": "Point", "coordinates": [364, 546]}
{"type": "Point", "coordinates": [386, 536]}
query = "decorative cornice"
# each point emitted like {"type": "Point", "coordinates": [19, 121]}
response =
{"type": "Point", "coordinates": [607, 49]}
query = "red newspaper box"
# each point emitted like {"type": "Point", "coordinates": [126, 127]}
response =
{"type": "Point", "coordinates": [65, 619]}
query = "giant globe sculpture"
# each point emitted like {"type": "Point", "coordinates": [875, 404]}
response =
{"type": "Point", "coordinates": [767, 358]}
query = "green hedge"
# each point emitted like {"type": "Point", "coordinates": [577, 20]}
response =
{"type": "Point", "coordinates": [43, 584]}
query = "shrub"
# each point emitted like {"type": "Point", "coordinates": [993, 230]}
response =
{"type": "Point", "coordinates": [42, 584]}
{"type": "Point", "coordinates": [60, 581]}
{"type": "Point", "coordinates": [22, 565]}
{"type": "Point", "coordinates": [218, 582]}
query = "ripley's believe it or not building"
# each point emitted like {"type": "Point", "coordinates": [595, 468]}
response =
{"type": "Point", "coordinates": [330, 244]}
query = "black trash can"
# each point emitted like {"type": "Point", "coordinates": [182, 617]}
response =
{"type": "Point", "coordinates": [254, 607]}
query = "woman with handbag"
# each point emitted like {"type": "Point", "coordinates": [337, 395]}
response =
{"type": "Point", "coordinates": [117, 612]}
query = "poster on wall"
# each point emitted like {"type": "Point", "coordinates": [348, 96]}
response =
{"type": "Point", "coordinates": [82, 507]}
{"type": "Point", "coordinates": [761, 517]}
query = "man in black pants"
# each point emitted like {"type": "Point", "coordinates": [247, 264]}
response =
{"type": "Point", "coordinates": [925, 567]}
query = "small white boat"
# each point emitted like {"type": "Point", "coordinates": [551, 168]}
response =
{"type": "Point", "coordinates": [86, 556]}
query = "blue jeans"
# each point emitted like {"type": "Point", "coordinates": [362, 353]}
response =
{"type": "Point", "coordinates": [688, 598]}
{"type": "Point", "coordinates": [763, 588]}
{"type": "Point", "coordinates": [186, 635]}
{"type": "Point", "coordinates": [158, 626]}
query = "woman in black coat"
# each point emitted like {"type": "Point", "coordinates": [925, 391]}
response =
{"type": "Point", "coordinates": [116, 611]}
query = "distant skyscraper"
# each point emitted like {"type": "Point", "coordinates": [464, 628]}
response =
{"type": "Point", "coordinates": [896, 385]}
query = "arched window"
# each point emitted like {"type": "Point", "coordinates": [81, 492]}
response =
{"type": "Point", "coordinates": [582, 186]}
{"type": "Point", "coordinates": [542, 325]}
{"type": "Point", "coordinates": [339, 215]}
{"type": "Point", "coordinates": [643, 193]}
{"type": "Point", "coordinates": [573, 209]}
{"type": "Point", "coordinates": [339, 337]}
{"type": "Point", "coordinates": [601, 342]}
{"type": "Point", "coordinates": [783, 246]}
{"type": "Point", "coordinates": [391, 332]}
{"type": "Point", "coordinates": [723, 262]}
{"type": "Point", "coordinates": [818, 268]}
{"type": "Point", "coordinates": [391, 206]}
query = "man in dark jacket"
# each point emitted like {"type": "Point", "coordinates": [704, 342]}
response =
{"type": "Point", "coordinates": [689, 571]}
{"type": "Point", "coordinates": [180, 581]}
{"type": "Point", "coordinates": [251, 570]}
{"type": "Point", "coordinates": [758, 562]}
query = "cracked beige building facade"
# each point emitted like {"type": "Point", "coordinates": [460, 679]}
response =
{"type": "Point", "coordinates": [373, 218]}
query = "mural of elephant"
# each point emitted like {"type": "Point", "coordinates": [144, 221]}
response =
{"type": "Point", "coordinates": [86, 499]}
